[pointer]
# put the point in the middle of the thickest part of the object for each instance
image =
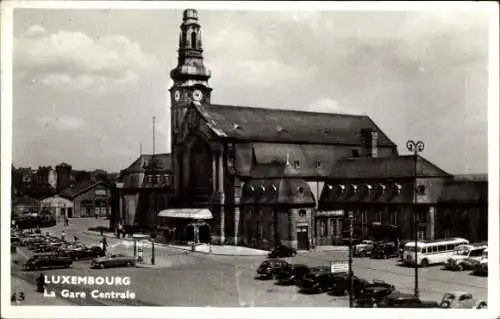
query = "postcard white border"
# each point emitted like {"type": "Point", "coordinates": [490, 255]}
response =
{"type": "Point", "coordinates": [9, 311]}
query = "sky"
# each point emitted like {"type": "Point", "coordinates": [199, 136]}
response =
{"type": "Point", "coordinates": [86, 83]}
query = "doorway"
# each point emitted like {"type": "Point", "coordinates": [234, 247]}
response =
{"type": "Point", "coordinates": [189, 233]}
{"type": "Point", "coordinates": [204, 234]}
{"type": "Point", "coordinates": [70, 212]}
{"type": "Point", "coordinates": [302, 238]}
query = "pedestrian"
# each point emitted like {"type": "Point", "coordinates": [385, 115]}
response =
{"type": "Point", "coordinates": [66, 222]}
{"type": "Point", "coordinates": [40, 283]}
{"type": "Point", "coordinates": [104, 244]}
{"type": "Point", "coordinates": [76, 239]}
{"type": "Point", "coordinates": [63, 235]}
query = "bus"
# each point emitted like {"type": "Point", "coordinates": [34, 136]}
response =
{"type": "Point", "coordinates": [430, 252]}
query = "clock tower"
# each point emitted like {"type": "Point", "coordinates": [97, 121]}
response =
{"type": "Point", "coordinates": [190, 79]}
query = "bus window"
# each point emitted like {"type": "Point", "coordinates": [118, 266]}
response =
{"type": "Point", "coordinates": [441, 248]}
{"type": "Point", "coordinates": [450, 247]}
{"type": "Point", "coordinates": [476, 253]}
{"type": "Point", "coordinates": [434, 249]}
{"type": "Point", "coordinates": [424, 250]}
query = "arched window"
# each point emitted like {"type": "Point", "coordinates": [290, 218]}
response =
{"type": "Point", "coordinates": [193, 40]}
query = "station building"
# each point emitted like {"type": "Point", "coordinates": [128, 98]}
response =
{"type": "Point", "coordinates": [259, 175]}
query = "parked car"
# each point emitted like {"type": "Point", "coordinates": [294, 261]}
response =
{"type": "Point", "coordinates": [374, 292]}
{"type": "Point", "coordinates": [384, 250]}
{"type": "Point", "coordinates": [405, 300]}
{"type": "Point", "coordinates": [117, 260]}
{"type": "Point", "coordinates": [291, 274]}
{"type": "Point", "coordinates": [481, 268]}
{"type": "Point", "coordinates": [270, 267]}
{"type": "Point", "coordinates": [83, 252]}
{"type": "Point", "coordinates": [47, 260]}
{"type": "Point", "coordinates": [364, 248]}
{"type": "Point", "coordinates": [342, 286]}
{"type": "Point", "coordinates": [465, 257]}
{"type": "Point", "coordinates": [461, 300]}
{"type": "Point", "coordinates": [280, 251]}
{"type": "Point", "coordinates": [319, 281]}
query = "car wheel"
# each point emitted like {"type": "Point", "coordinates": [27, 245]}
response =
{"type": "Point", "coordinates": [129, 264]}
{"type": "Point", "coordinates": [445, 304]}
{"type": "Point", "coordinates": [460, 267]}
{"type": "Point", "coordinates": [424, 263]}
{"type": "Point", "coordinates": [68, 265]}
{"type": "Point", "coordinates": [101, 266]}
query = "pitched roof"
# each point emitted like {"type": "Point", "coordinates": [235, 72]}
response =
{"type": "Point", "coordinates": [277, 191]}
{"type": "Point", "coordinates": [138, 166]}
{"type": "Point", "coordinates": [387, 167]}
{"type": "Point", "coordinates": [79, 188]}
{"type": "Point", "coordinates": [464, 191]}
{"type": "Point", "coordinates": [280, 125]}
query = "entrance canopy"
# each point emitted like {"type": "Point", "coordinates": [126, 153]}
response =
{"type": "Point", "coordinates": [191, 213]}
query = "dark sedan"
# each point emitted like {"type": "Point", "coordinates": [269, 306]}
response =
{"type": "Point", "coordinates": [342, 286]}
{"type": "Point", "coordinates": [82, 252]}
{"type": "Point", "coordinates": [280, 251]}
{"type": "Point", "coordinates": [385, 250]}
{"type": "Point", "coordinates": [374, 292]}
{"type": "Point", "coordinates": [402, 300]}
{"type": "Point", "coordinates": [319, 281]}
{"type": "Point", "coordinates": [117, 260]}
{"type": "Point", "coordinates": [292, 274]}
{"type": "Point", "coordinates": [270, 267]}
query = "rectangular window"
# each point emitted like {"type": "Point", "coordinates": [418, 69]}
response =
{"type": "Point", "coordinates": [318, 164]}
{"type": "Point", "coordinates": [447, 233]}
{"type": "Point", "coordinates": [296, 164]}
{"type": "Point", "coordinates": [421, 234]}
{"type": "Point", "coordinates": [450, 247]}
{"type": "Point", "coordinates": [323, 232]}
{"type": "Point", "coordinates": [422, 216]}
{"type": "Point", "coordinates": [442, 248]}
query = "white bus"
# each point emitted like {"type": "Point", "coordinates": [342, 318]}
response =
{"type": "Point", "coordinates": [430, 252]}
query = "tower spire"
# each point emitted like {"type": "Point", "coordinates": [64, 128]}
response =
{"type": "Point", "coordinates": [190, 70]}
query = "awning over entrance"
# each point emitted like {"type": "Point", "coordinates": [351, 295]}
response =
{"type": "Point", "coordinates": [191, 213]}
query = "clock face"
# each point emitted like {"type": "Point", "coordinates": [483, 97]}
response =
{"type": "Point", "coordinates": [177, 96]}
{"type": "Point", "coordinates": [197, 95]}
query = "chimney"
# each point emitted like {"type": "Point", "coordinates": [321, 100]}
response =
{"type": "Point", "coordinates": [369, 142]}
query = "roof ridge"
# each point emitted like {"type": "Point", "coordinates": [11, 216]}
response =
{"type": "Point", "coordinates": [286, 110]}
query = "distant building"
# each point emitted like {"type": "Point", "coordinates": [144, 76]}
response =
{"type": "Point", "coordinates": [59, 206]}
{"type": "Point", "coordinates": [89, 200]}
{"type": "Point", "coordinates": [143, 189]}
{"type": "Point", "coordinates": [23, 205]}
{"type": "Point", "coordinates": [63, 172]}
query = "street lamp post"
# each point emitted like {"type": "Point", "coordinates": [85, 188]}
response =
{"type": "Point", "coordinates": [415, 147]}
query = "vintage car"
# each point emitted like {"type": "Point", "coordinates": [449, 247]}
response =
{"type": "Point", "coordinates": [343, 286]}
{"type": "Point", "coordinates": [116, 260]}
{"type": "Point", "coordinates": [481, 269]}
{"type": "Point", "coordinates": [373, 292]}
{"type": "Point", "coordinates": [363, 249]}
{"type": "Point", "coordinates": [405, 300]}
{"type": "Point", "coordinates": [465, 257]}
{"type": "Point", "coordinates": [384, 250]}
{"type": "Point", "coordinates": [80, 251]}
{"type": "Point", "coordinates": [270, 267]}
{"type": "Point", "coordinates": [320, 280]}
{"type": "Point", "coordinates": [47, 260]}
{"type": "Point", "coordinates": [461, 300]}
{"type": "Point", "coordinates": [280, 251]}
{"type": "Point", "coordinates": [291, 274]}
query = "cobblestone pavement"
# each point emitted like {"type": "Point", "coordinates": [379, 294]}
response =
{"type": "Point", "coordinates": [198, 279]}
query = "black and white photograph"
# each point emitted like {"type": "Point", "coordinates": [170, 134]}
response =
{"type": "Point", "coordinates": [210, 156]}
